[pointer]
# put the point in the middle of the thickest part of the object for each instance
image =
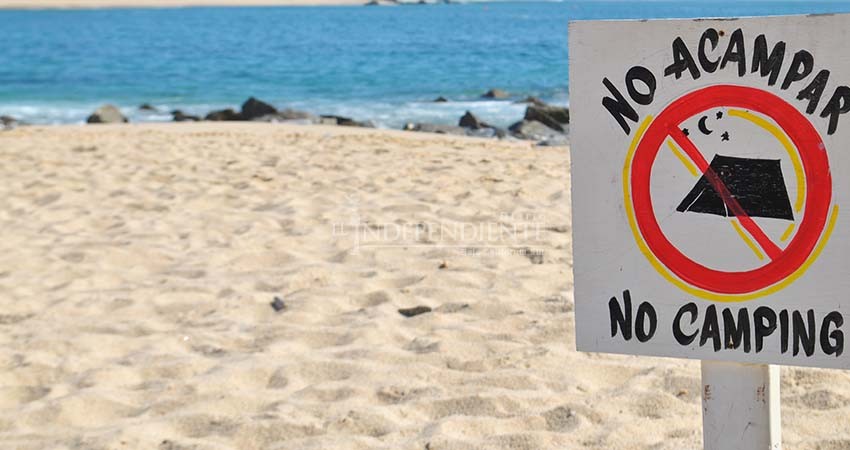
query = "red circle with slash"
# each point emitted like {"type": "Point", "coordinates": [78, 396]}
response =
{"type": "Point", "coordinates": [783, 262]}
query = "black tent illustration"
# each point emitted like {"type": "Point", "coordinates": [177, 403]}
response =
{"type": "Point", "coordinates": [756, 184]}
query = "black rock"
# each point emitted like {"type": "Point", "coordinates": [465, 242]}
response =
{"type": "Point", "coordinates": [533, 130]}
{"type": "Point", "coordinates": [107, 114]}
{"type": "Point", "coordinates": [553, 117]}
{"type": "Point", "coordinates": [147, 107]}
{"type": "Point", "coordinates": [254, 109]}
{"type": "Point", "coordinates": [222, 115]}
{"type": "Point", "coordinates": [470, 121]}
{"type": "Point", "coordinates": [8, 122]}
{"type": "Point", "coordinates": [180, 116]}
{"type": "Point", "coordinates": [495, 93]}
{"type": "Point", "coordinates": [277, 304]}
{"type": "Point", "coordinates": [415, 311]}
{"type": "Point", "coordinates": [441, 99]}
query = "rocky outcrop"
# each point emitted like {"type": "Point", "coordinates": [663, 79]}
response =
{"type": "Point", "coordinates": [107, 114]}
{"type": "Point", "coordinates": [8, 122]}
{"type": "Point", "coordinates": [469, 120]}
{"type": "Point", "coordinates": [223, 115]}
{"type": "Point", "coordinates": [554, 117]}
{"type": "Point", "coordinates": [441, 99]}
{"type": "Point", "coordinates": [495, 94]}
{"type": "Point", "coordinates": [147, 107]}
{"type": "Point", "coordinates": [255, 109]}
{"type": "Point", "coordinates": [179, 116]}
{"type": "Point", "coordinates": [533, 130]}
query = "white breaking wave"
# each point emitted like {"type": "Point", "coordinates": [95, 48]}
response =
{"type": "Point", "coordinates": [500, 113]}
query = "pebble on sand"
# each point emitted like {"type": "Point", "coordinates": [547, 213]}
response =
{"type": "Point", "coordinates": [277, 304]}
{"type": "Point", "coordinates": [415, 311]}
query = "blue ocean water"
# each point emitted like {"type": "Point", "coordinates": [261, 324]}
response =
{"type": "Point", "coordinates": [380, 63]}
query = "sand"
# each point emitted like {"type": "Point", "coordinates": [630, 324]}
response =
{"type": "Point", "coordinates": [138, 262]}
{"type": "Point", "coordinates": [75, 4]}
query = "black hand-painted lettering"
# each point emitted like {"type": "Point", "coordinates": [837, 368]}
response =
{"type": "Point", "coordinates": [735, 52]}
{"type": "Point", "coordinates": [682, 61]}
{"type": "Point", "coordinates": [708, 36]}
{"type": "Point", "coordinates": [621, 317]}
{"type": "Point", "coordinates": [768, 65]}
{"type": "Point", "coordinates": [642, 74]}
{"type": "Point", "coordinates": [735, 333]}
{"type": "Point", "coordinates": [645, 314]}
{"type": "Point", "coordinates": [801, 67]}
{"type": "Point", "coordinates": [838, 104]}
{"type": "Point", "coordinates": [619, 107]}
{"type": "Point", "coordinates": [710, 328]}
{"type": "Point", "coordinates": [681, 337]}
{"type": "Point", "coordinates": [832, 342]}
{"type": "Point", "coordinates": [764, 324]}
{"type": "Point", "coordinates": [804, 332]}
{"type": "Point", "coordinates": [814, 91]}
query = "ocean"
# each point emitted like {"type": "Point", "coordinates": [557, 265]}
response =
{"type": "Point", "coordinates": [384, 64]}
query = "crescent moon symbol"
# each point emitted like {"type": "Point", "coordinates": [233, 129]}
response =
{"type": "Point", "coordinates": [702, 126]}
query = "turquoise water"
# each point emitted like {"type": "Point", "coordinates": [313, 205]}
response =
{"type": "Point", "coordinates": [379, 63]}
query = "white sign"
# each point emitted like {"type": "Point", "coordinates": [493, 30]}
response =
{"type": "Point", "coordinates": [709, 163]}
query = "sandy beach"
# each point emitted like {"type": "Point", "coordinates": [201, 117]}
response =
{"type": "Point", "coordinates": [139, 262]}
{"type": "Point", "coordinates": [76, 4]}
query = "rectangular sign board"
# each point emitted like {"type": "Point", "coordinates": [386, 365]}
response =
{"type": "Point", "coordinates": [710, 162]}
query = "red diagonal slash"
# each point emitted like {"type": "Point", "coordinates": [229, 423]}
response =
{"type": "Point", "coordinates": [772, 250]}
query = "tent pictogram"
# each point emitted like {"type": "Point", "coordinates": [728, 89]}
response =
{"type": "Point", "coordinates": [756, 184]}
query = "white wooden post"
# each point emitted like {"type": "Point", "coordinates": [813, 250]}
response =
{"type": "Point", "coordinates": [740, 406]}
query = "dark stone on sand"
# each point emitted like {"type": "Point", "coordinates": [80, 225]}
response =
{"type": "Point", "coordinates": [535, 256]}
{"type": "Point", "coordinates": [8, 122]}
{"type": "Point", "coordinates": [277, 304]}
{"type": "Point", "coordinates": [223, 115]}
{"type": "Point", "coordinates": [107, 114]}
{"type": "Point", "coordinates": [180, 116]}
{"type": "Point", "coordinates": [532, 130]}
{"type": "Point", "coordinates": [415, 311]}
{"type": "Point", "coordinates": [441, 99]}
{"type": "Point", "coordinates": [553, 117]}
{"type": "Point", "coordinates": [495, 93]}
{"type": "Point", "coordinates": [254, 109]}
{"type": "Point", "coordinates": [147, 107]}
{"type": "Point", "coordinates": [469, 120]}
{"type": "Point", "coordinates": [435, 128]}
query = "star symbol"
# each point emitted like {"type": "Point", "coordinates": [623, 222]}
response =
{"type": "Point", "coordinates": [719, 114]}
{"type": "Point", "coordinates": [685, 131]}
{"type": "Point", "coordinates": [724, 136]}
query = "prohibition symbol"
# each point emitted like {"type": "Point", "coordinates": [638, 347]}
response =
{"type": "Point", "coordinates": [806, 149]}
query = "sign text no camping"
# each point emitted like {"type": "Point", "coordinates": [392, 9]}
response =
{"type": "Point", "coordinates": [709, 158]}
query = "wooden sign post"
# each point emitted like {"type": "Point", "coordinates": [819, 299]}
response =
{"type": "Point", "coordinates": [709, 166]}
{"type": "Point", "coordinates": [740, 406]}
